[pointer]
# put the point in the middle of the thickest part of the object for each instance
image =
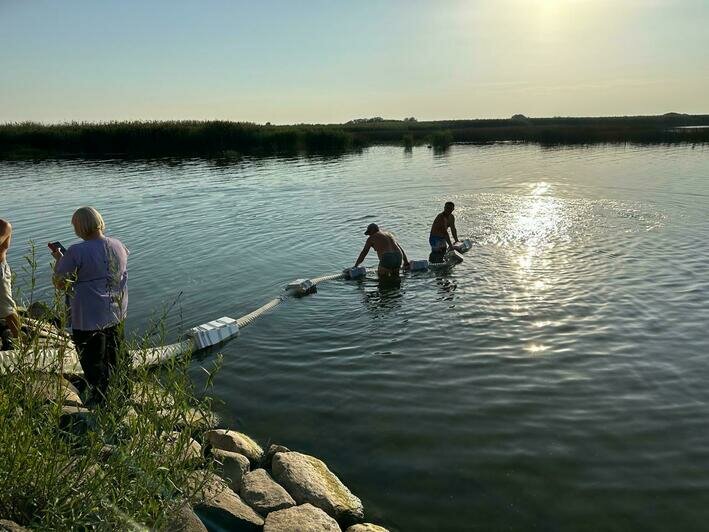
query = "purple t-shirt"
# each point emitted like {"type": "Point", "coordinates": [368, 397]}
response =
{"type": "Point", "coordinates": [99, 297]}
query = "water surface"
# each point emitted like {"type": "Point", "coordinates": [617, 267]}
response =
{"type": "Point", "coordinates": [556, 380]}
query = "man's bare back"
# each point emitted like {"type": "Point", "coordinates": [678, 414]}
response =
{"type": "Point", "coordinates": [391, 255]}
{"type": "Point", "coordinates": [383, 241]}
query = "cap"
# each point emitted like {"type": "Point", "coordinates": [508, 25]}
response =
{"type": "Point", "coordinates": [371, 228]}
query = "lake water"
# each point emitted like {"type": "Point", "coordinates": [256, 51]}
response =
{"type": "Point", "coordinates": [556, 380]}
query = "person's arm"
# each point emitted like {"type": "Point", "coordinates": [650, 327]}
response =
{"type": "Point", "coordinates": [448, 239]}
{"type": "Point", "coordinates": [453, 229]}
{"type": "Point", "coordinates": [5, 234]}
{"type": "Point", "coordinates": [403, 254]}
{"type": "Point", "coordinates": [64, 269]}
{"type": "Point", "coordinates": [13, 323]}
{"type": "Point", "coordinates": [367, 247]}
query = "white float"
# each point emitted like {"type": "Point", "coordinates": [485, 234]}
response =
{"type": "Point", "coordinates": [214, 332]}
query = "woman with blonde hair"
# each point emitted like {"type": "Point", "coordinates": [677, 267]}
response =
{"type": "Point", "coordinates": [94, 273]}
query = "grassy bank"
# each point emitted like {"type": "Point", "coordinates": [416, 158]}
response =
{"type": "Point", "coordinates": [216, 138]}
{"type": "Point", "coordinates": [125, 465]}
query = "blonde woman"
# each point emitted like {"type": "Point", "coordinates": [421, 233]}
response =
{"type": "Point", "coordinates": [94, 273]}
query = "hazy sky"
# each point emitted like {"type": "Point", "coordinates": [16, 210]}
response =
{"type": "Point", "coordinates": [330, 61]}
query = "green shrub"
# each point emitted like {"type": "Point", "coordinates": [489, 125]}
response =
{"type": "Point", "coordinates": [119, 466]}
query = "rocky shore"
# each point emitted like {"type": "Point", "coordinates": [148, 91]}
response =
{"type": "Point", "coordinates": [276, 490]}
{"type": "Point", "coordinates": [239, 486]}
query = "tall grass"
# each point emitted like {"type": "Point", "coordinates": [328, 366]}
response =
{"type": "Point", "coordinates": [119, 466]}
{"type": "Point", "coordinates": [216, 138]}
{"type": "Point", "coordinates": [167, 138]}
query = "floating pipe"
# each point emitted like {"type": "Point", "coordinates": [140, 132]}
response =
{"type": "Point", "coordinates": [219, 330]}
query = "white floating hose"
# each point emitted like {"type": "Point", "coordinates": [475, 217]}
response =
{"type": "Point", "coordinates": [249, 318]}
{"type": "Point", "coordinates": [152, 356]}
{"type": "Point", "coordinates": [324, 278]}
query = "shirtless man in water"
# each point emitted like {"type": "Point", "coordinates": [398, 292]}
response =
{"type": "Point", "coordinates": [439, 233]}
{"type": "Point", "coordinates": [391, 255]}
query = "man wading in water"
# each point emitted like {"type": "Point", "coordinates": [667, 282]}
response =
{"type": "Point", "coordinates": [439, 233]}
{"type": "Point", "coordinates": [391, 255]}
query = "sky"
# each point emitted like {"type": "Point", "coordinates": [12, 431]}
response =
{"type": "Point", "coordinates": [317, 61]}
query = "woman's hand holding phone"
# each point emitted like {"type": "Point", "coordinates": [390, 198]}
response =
{"type": "Point", "coordinates": [57, 249]}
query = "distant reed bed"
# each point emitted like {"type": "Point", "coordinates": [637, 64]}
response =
{"type": "Point", "coordinates": [216, 138]}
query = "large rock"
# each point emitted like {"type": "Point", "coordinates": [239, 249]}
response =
{"type": "Point", "coordinates": [264, 494]}
{"type": "Point", "coordinates": [56, 389]}
{"type": "Point", "coordinates": [187, 449]}
{"type": "Point", "coordinates": [76, 419]}
{"type": "Point", "coordinates": [309, 480]}
{"type": "Point", "coordinates": [366, 527]}
{"type": "Point", "coordinates": [272, 450]}
{"type": "Point", "coordinates": [11, 526]}
{"type": "Point", "coordinates": [231, 440]}
{"type": "Point", "coordinates": [219, 507]}
{"type": "Point", "coordinates": [153, 395]}
{"type": "Point", "coordinates": [192, 418]}
{"type": "Point", "coordinates": [232, 465]}
{"type": "Point", "coordinates": [303, 518]}
{"type": "Point", "coordinates": [185, 520]}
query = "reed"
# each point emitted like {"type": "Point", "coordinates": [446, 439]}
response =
{"type": "Point", "coordinates": [217, 138]}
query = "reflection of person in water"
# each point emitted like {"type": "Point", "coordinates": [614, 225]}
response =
{"type": "Point", "coordinates": [391, 255]}
{"type": "Point", "coordinates": [386, 298]}
{"type": "Point", "coordinates": [439, 233]}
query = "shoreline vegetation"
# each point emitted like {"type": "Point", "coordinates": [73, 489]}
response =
{"type": "Point", "coordinates": [28, 140]}
{"type": "Point", "coordinates": [150, 456]}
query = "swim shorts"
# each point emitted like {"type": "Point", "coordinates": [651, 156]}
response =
{"type": "Point", "coordinates": [391, 260]}
{"type": "Point", "coordinates": [437, 242]}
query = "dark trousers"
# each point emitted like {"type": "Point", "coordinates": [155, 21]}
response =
{"type": "Point", "coordinates": [99, 354]}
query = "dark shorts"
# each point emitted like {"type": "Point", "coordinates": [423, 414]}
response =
{"type": "Point", "coordinates": [391, 260]}
{"type": "Point", "coordinates": [437, 243]}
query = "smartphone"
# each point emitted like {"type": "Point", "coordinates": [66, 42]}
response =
{"type": "Point", "coordinates": [57, 246]}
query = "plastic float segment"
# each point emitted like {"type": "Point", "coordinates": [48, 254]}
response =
{"type": "Point", "coordinates": [418, 265]}
{"type": "Point", "coordinates": [301, 287]}
{"type": "Point", "coordinates": [354, 273]}
{"type": "Point", "coordinates": [464, 246]}
{"type": "Point", "coordinates": [214, 332]}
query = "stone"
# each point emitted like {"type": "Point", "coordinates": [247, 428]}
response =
{"type": "Point", "coordinates": [11, 526]}
{"type": "Point", "coordinates": [106, 452]}
{"type": "Point", "coordinates": [309, 480]}
{"type": "Point", "coordinates": [219, 507]}
{"type": "Point", "coordinates": [151, 395]}
{"type": "Point", "coordinates": [303, 518]}
{"type": "Point", "coordinates": [190, 451]}
{"type": "Point", "coordinates": [191, 418]}
{"type": "Point", "coordinates": [76, 419]}
{"type": "Point", "coordinates": [263, 493]}
{"type": "Point", "coordinates": [366, 527]}
{"type": "Point", "coordinates": [186, 520]}
{"type": "Point", "coordinates": [231, 440]}
{"type": "Point", "coordinates": [130, 418]}
{"type": "Point", "coordinates": [56, 389]}
{"type": "Point", "coordinates": [233, 467]}
{"type": "Point", "coordinates": [272, 450]}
